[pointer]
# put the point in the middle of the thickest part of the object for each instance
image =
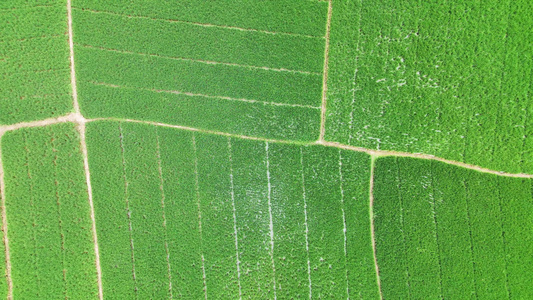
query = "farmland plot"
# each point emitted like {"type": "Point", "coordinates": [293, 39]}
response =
{"type": "Point", "coordinates": [50, 238]}
{"type": "Point", "coordinates": [452, 79]}
{"type": "Point", "coordinates": [238, 149]}
{"type": "Point", "coordinates": [33, 86]}
{"type": "Point", "coordinates": [447, 232]}
{"type": "Point", "coordinates": [182, 213]}
{"type": "Point", "coordinates": [223, 69]}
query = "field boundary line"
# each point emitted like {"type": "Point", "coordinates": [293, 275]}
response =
{"type": "Point", "coordinates": [204, 95]}
{"type": "Point", "coordinates": [82, 130]}
{"type": "Point", "coordinates": [198, 203]}
{"type": "Point", "coordinates": [304, 196]}
{"type": "Point", "coordinates": [238, 262]}
{"type": "Point", "coordinates": [71, 56]}
{"type": "Point", "coordinates": [203, 61]}
{"type": "Point", "coordinates": [77, 119]}
{"type": "Point", "coordinates": [128, 211]}
{"type": "Point", "coordinates": [271, 223]}
{"type": "Point", "coordinates": [200, 24]}
{"type": "Point", "coordinates": [4, 225]}
{"type": "Point", "coordinates": [371, 217]}
{"type": "Point", "coordinates": [162, 189]}
{"type": "Point", "coordinates": [344, 228]}
{"type": "Point", "coordinates": [325, 77]}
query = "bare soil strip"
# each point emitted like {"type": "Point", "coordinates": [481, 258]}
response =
{"type": "Point", "coordinates": [201, 24]}
{"type": "Point", "coordinates": [207, 62]}
{"type": "Point", "coordinates": [325, 78]}
{"type": "Point", "coordinates": [4, 226]}
{"type": "Point", "coordinates": [72, 68]}
{"type": "Point", "coordinates": [372, 229]}
{"type": "Point", "coordinates": [204, 95]}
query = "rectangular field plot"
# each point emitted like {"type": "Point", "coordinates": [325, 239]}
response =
{"type": "Point", "coordinates": [452, 233]}
{"type": "Point", "coordinates": [48, 215]}
{"type": "Point", "coordinates": [447, 79]}
{"type": "Point", "coordinates": [187, 214]}
{"type": "Point", "coordinates": [258, 82]}
{"type": "Point", "coordinates": [34, 61]}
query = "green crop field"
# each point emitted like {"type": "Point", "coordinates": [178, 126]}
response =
{"type": "Point", "coordinates": [281, 149]}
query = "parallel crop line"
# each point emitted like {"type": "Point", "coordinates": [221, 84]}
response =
{"type": "Point", "coordinates": [200, 24]}
{"type": "Point", "coordinates": [203, 61]}
{"type": "Point", "coordinates": [203, 95]}
{"type": "Point", "coordinates": [505, 270]}
{"type": "Point", "coordinates": [306, 224]}
{"type": "Point", "coordinates": [56, 185]}
{"type": "Point", "coordinates": [77, 119]}
{"type": "Point", "coordinates": [121, 137]}
{"type": "Point", "coordinates": [402, 228]}
{"type": "Point", "coordinates": [161, 188]}
{"type": "Point", "coordinates": [35, 38]}
{"type": "Point", "coordinates": [4, 225]}
{"type": "Point", "coordinates": [356, 70]}
{"type": "Point", "coordinates": [325, 78]}
{"type": "Point", "coordinates": [471, 239]}
{"type": "Point", "coordinates": [197, 188]}
{"type": "Point", "coordinates": [372, 228]}
{"type": "Point", "coordinates": [271, 225]}
{"type": "Point", "coordinates": [27, 7]}
{"type": "Point", "coordinates": [434, 215]}
{"type": "Point", "coordinates": [32, 213]}
{"type": "Point", "coordinates": [234, 217]}
{"type": "Point", "coordinates": [344, 225]}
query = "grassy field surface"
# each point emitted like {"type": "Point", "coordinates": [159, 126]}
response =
{"type": "Point", "coordinates": [448, 79]}
{"type": "Point", "coordinates": [452, 233]}
{"type": "Point", "coordinates": [240, 149]}
{"type": "Point", "coordinates": [33, 86]}
{"type": "Point", "coordinates": [50, 240]}
{"type": "Point", "coordinates": [188, 213]}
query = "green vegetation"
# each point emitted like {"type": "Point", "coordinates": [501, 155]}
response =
{"type": "Point", "coordinates": [233, 196]}
{"type": "Point", "coordinates": [172, 207]}
{"type": "Point", "coordinates": [452, 233]}
{"type": "Point", "coordinates": [448, 79]}
{"type": "Point", "coordinates": [50, 238]}
{"type": "Point", "coordinates": [33, 86]}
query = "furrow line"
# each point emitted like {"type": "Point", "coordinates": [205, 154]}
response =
{"type": "Point", "coordinates": [4, 226]}
{"type": "Point", "coordinates": [197, 188]}
{"type": "Point", "coordinates": [471, 239]}
{"type": "Point", "coordinates": [161, 188]}
{"type": "Point", "coordinates": [200, 24]}
{"type": "Point", "coordinates": [203, 95]}
{"type": "Point", "coordinates": [128, 209]}
{"type": "Point", "coordinates": [402, 229]}
{"type": "Point", "coordinates": [203, 61]}
{"type": "Point", "coordinates": [372, 228]}
{"type": "Point", "coordinates": [234, 217]}
{"type": "Point", "coordinates": [356, 70]}
{"type": "Point", "coordinates": [306, 224]}
{"type": "Point", "coordinates": [505, 254]}
{"type": "Point", "coordinates": [436, 236]}
{"type": "Point", "coordinates": [344, 225]}
{"type": "Point", "coordinates": [271, 225]}
{"type": "Point", "coordinates": [62, 235]}
{"type": "Point", "coordinates": [325, 77]}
